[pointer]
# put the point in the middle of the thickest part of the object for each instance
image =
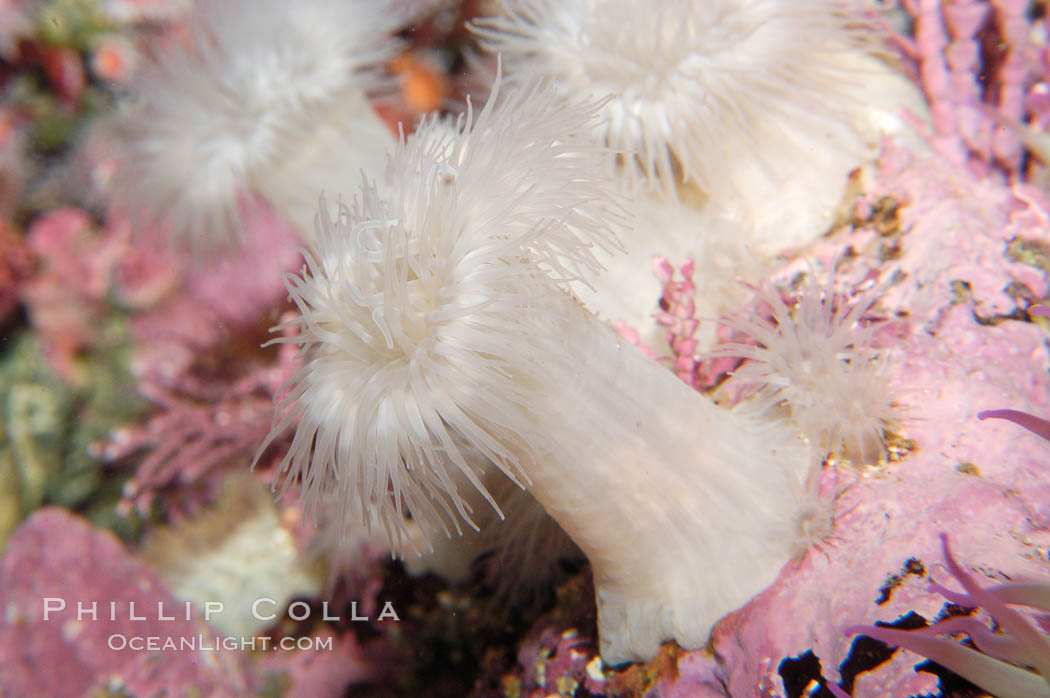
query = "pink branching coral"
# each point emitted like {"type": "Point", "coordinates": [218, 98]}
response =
{"type": "Point", "coordinates": [677, 316]}
{"type": "Point", "coordinates": [201, 425]}
{"type": "Point", "coordinates": [213, 396]}
{"type": "Point", "coordinates": [1012, 661]}
{"type": "Point", "coordinates": [979, 98]}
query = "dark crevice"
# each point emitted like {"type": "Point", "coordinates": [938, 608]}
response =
{"type": "Point", "coordinates": [867, 654]}
{"type": "Point", "coordinates": [911, 566]}
{"type": "Point", "coordinates": [799, 673]}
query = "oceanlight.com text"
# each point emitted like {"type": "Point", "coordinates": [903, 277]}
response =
{"type": "Point", "coordinates": [211, 643]}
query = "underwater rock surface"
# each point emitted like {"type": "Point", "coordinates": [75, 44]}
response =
{"type": "Point", "coordinates": [57, 559]}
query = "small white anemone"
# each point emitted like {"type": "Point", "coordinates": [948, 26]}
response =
{"type": "Point", "coordinates": [816, 360]}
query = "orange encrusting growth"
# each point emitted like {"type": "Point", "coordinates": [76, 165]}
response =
{"type": "Point", "coordinates": [423, 84]}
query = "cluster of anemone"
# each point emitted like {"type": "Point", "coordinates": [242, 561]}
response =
{"type": "Point", "coordinates": [441, 345]}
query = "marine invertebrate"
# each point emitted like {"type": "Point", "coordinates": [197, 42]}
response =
{"type": "Point", "coordinates": [1013, 662]}
{"type": "Point", "coordinates": [726, 95]}
{"type": "Point", "coordinates": [712, 105]}
{"type": "Point", "coordinates": [439, 345]}
{"type": "Point", "coordinates": [816, 360]}
{"type": "Point", "coordinates": [261, 96]}
{"type": "Point", "coordinates": [396, 257]}
{"type": "Point", "coordinates": [733, 61]}
{"type": "Point", "coordinates": [520, 536]}
{"type": "Point", "coordinates": [1036, 425]}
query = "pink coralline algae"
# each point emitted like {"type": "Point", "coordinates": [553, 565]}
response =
{"type": "Point", "coordinates": [676, 316]}
{"type": "Point", "coordinates": [195, 326]}
{"type": "Point", "coordinates": [215, 299]}
{"type": "Point", "coordinates": [996, 664]}
{"type": "Point", "coordinates": [198, 428]}
{"type": "Point", "coordinates": [963, 261]}
{"type": "Point", "coordinates": [66, 295]}
{"type": "Point", "coordinates": [56, 561]}
{"type": "Point", "coordinates": [983, 68]}
{"type": "Point", "coordinates": [178, 310]}
{"type": "Point", "coordinates": [1036, 425]}
{"type": "Point", "coordinates": [214, 397]}
{"type": "Point", "coordinates": [58, 556]}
